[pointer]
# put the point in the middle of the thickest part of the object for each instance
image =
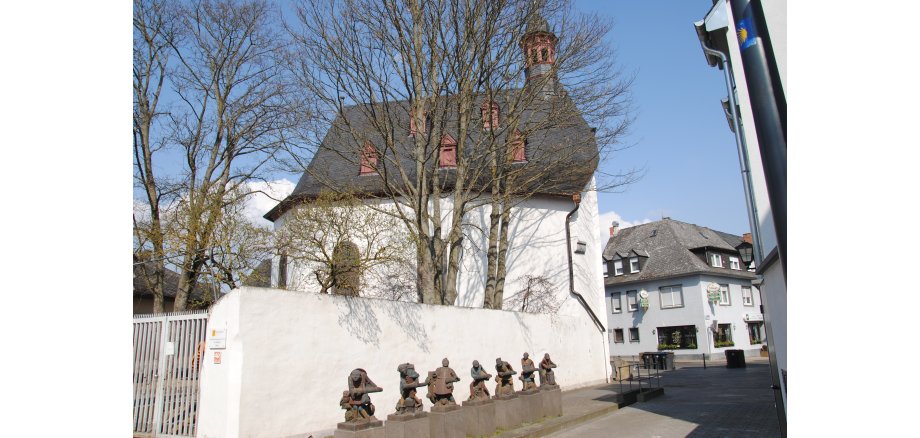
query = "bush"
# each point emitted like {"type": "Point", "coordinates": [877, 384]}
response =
{"type": "Point", "coordinates": [720, 344]}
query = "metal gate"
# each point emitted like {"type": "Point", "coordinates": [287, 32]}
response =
{"type": "Point", "coordinates": [168, 349]}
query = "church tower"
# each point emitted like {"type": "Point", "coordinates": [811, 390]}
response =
{"type": "Point", "coordinates": [539, 46]}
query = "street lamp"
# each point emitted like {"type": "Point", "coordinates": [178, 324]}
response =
{"type": "Point", "coordinates": [747, 254]}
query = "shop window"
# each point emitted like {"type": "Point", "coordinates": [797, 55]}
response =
{"type": "Point", "coordinates": [755, 332]}
{"type": "Point", "coordinates": [723, 336]}
{"type": "Point", "coordinates": [676, 337]}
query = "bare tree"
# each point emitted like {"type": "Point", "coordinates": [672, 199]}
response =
{"type": "Point", "coordinates": [537, 296]}
{"type": "Point", "coordinates": [227, 123]}
{"type": "Point", "coordinates": [403, 81]}
{"type": "Point", "coordinates": [341, 242]}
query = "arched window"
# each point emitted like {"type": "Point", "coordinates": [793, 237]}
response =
{"type": "Point", "coordinates": [518, 146]}
{"type": "Point", "coordinates": [368, 158]}
{"type": "Point", "coordinates": [448, 152]}
{"type": "Point", "coordinates": [489, 111]}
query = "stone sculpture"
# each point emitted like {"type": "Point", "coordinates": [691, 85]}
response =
{"type": "Point", "coordinates": [547, 376]}
{"type": "Point", "coordinates": [478, 389]}
{"type": "Point", "coordinates": [527, 373]}
{"type": "Point", "coordinates": [505, 383]}
{"type": "Point", "coordinates": [441, 385]}
{"type": "Point", "coordinates": [356, 401]}
{"type": "Point", "coordinates": [408, 402]}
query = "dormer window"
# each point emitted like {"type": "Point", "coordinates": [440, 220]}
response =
{"type": "Point", "coordinates": [715, 260]}
{"type": "Point", "coordinates": [518, 147]}
{"type": "Point", "coordinates": [412, 128]}
{"type": "Point", "coordinates": [633, 264]}
{"type": "Point", "coordinates": [734, 263]}
{"type": "Point", "coordinates": [368, 159]}
{"type": "Point", "coordinates": [448, 153]}
{"type": "Point", "coordinates": [489, 111]}
{"type": "Point", "coordinates": [618, 267]}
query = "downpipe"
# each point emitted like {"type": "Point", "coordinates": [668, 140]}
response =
{"type": "Point", "coordinates": [576, 198]}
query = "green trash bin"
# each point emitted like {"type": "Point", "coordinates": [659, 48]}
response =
{"type": "Point", "coordinates": [734, 359]}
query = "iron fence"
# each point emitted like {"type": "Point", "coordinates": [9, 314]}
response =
{"type": "Point", "coordinates": [168, 350]}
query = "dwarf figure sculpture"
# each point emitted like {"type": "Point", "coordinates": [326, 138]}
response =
{"type": "Point", "coordinates": [505, 383]}
{"type": "Point", "coordinates": [356, 401]}
{"type": "Point", "coordinates": [547, 376]}
{"type": "Point", "coordinates": [527, 373]}
{"type": "Point", "coordinates": [441, 385]}
{"type": "Point", "coordinates": [408, 382]}
{"type": "Point", "coordinates": [478, 390]}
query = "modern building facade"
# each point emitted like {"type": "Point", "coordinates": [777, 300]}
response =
{"type": "Point", "coordinates": [679, 287]}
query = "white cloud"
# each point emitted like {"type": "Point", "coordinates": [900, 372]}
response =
{"type": "Point", "coordinates": [270, 194]}
{"type": "Point", "coordinates": [607, 218]}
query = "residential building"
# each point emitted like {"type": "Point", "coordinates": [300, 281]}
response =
{"type": "Point", "coordinates": [679, 287]}
{"type": "Point", "coordinates": [763, 30]}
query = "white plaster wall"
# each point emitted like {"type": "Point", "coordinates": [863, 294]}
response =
{"type": "Point", "coordinates": [537, 246]}
{"type": "Point", "coordinates": [222, 400]}
{"type": "Point", "coordinates": [289, 354]}
{"type": "Point", "coordinates": [697, 311]}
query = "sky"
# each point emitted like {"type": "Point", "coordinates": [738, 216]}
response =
{"type": "Point", "coordinates": [680, 136]}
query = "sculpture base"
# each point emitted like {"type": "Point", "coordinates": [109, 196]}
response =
{"type": "Point", "coordinates": [552, 401]}
{"type": "Point", "coordinates": [447, 422]}
{"type": "Point", "coordinates": [507, 411]}
{"type": "Point", "coordinates": [531, 405]}
{"type": "Point", "coordinates": [408, 425]}
{"type": "Point", "coordinates": [480, 417]}
{"type": "Point", "coordinates": [363, 429]}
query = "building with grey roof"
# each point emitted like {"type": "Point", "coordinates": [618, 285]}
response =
{"type": "Point", "coordinates": [679, 287]}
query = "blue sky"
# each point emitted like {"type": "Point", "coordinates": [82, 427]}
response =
{"type": "Point", "coordinates": [680, 134]}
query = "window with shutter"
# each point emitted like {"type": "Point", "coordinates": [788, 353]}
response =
{"type": "Point", "coordinates": [448, 156]}
{"type": "Point", "coordinates": [368, 159]}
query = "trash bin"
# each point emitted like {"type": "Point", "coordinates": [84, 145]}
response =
{"type": "Point", "coordinates": [734, 359]}
{"type": "Point", "coordinates": [649, 360]}
{"type": "Point", "coordinates": [667, 360]}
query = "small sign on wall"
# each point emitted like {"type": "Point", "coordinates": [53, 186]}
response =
{"type": "Point", "coordinates": [217, 357]}
{"type": "Point", "coordinates": [217, 339]}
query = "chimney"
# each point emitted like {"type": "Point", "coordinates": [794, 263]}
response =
{"type": "Point", "coordinates": [613, 228]}
{"type": "Point", "coordinates": [747, 238]}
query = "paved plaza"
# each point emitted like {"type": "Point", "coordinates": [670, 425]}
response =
{"type": "Point", "coordinates": [712, 402]}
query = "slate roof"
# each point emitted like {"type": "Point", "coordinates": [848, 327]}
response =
{"type": "Point", "coordinates": [170, 286]}
{"type": "Point", "coordinates": [564, 156]}
{"type": "Point", "coordinates": [669, 243]}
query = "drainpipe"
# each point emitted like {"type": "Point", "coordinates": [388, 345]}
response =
{"type": "Point", "coordinates": [576, 198]}
{"type": "Point", "coordinates": [753, 216]}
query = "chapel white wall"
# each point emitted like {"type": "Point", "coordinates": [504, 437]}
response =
{"type": "Point", "coordinates": [289, 353]}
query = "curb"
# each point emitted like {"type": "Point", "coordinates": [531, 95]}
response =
{"type": "Point", "coordinates": [553, 425]}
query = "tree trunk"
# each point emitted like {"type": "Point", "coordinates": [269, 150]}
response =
{"type": "Point", "coordinates": [502, 256]}
{"type": "Point", "coordinates": [492, 255]}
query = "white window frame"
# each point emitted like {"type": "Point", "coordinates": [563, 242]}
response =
{"type": "Point", "coordinates": [725, 295]}
{"type": "Point", "coordinates": [715, 260]}
{"type": "Point", "coordinates": [622, 337]}
{"type": "Point", "coordinates": [618, 267]}
{"type": "Point", "coordinates": [636, 329]}
{"type": "Point", "coordinates": [632, 300]}
{"type": "Point", "coordinates": [747, 299]}
{"type": "Point", "coordinates": [633, 265]}
{"type": "Point", "coordinates": [616, 302]}
{"type": "Point", "coordinates": [604, 265]}
{"type": "Point", "coordinates": [734, 263]}
{"type": "Point", "coordinates": [662, 293]}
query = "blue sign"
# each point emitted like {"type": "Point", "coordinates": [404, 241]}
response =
{"type": "Point", "coordinates": [746, 30]}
